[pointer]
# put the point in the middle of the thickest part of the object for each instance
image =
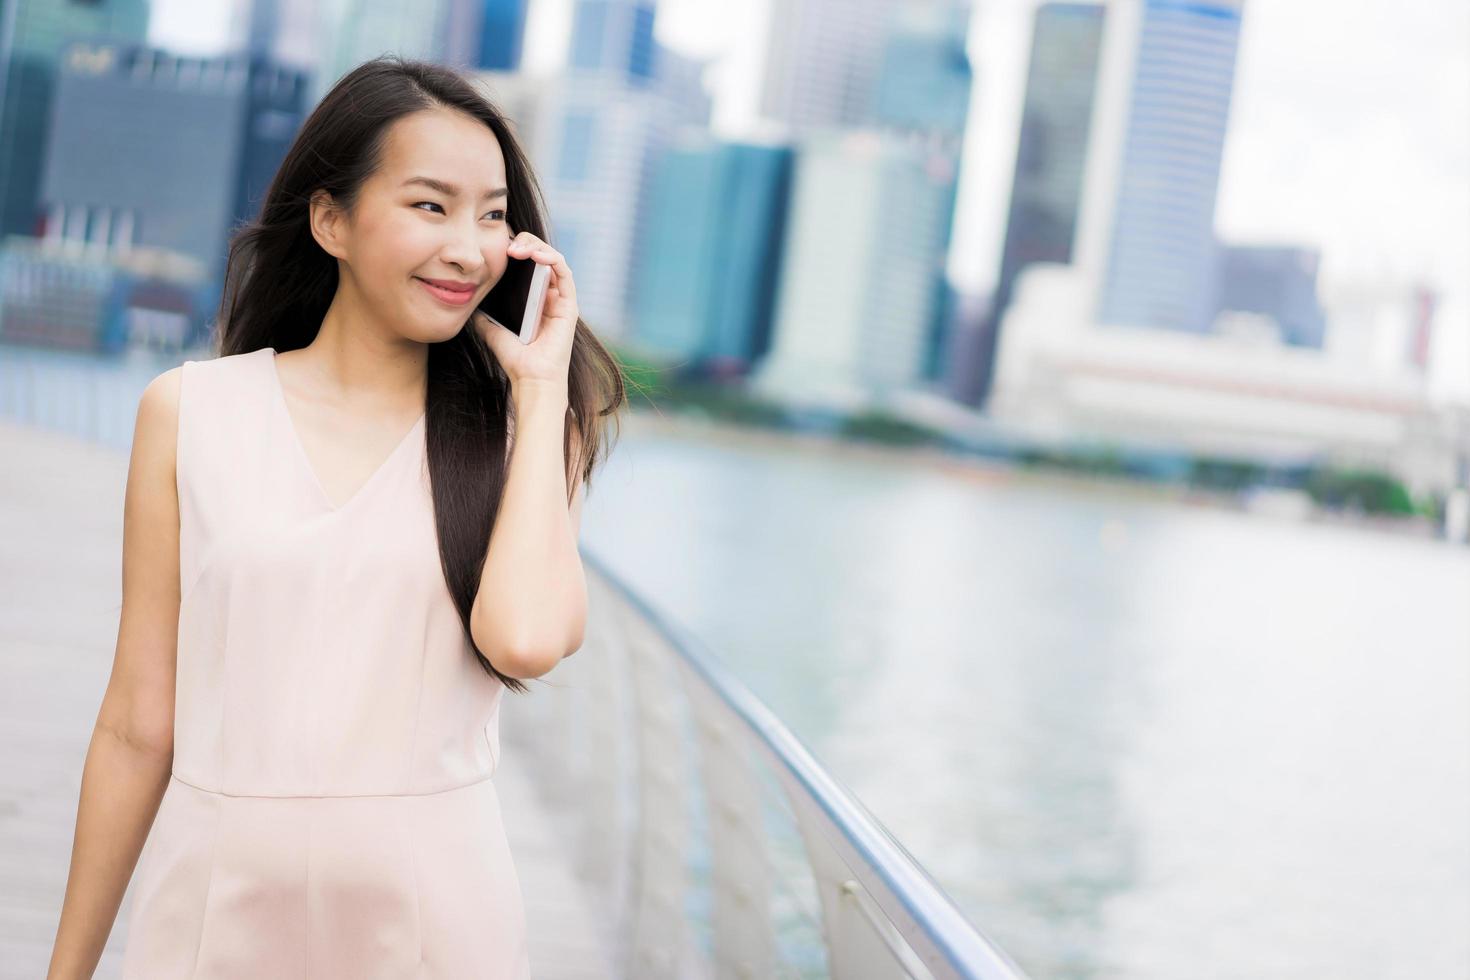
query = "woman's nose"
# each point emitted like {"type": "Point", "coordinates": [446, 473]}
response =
{"type": "Point", "coordinates": [466, 251]}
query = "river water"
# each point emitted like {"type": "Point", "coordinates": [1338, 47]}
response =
{"type": "Point", "coordinates": [1131, 737]}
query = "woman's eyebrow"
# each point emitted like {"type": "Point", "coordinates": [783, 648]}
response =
{"type": "Point", "coordinates": [450, 189]}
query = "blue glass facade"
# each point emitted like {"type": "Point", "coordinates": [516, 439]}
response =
{"type": "Point", "coordinates": [501, 35]}
{"type": "Point", "coordinates": [641, 52]}
{"type": "Point", "coordinates": [576, 146]}
{"type": "Point", "coordinates": [713, 243]}
{"type": "Point", "coordinates": [588, 30]}
{"type": "Point", "coordinates": [616, 36]}
{"type": "Point", "coordinates": [925, 80]}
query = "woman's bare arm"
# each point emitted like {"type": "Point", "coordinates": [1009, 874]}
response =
{"type": "Point", "coordinates": [131, 754]}
{"type": "Point", "coordinates": [530, 609]}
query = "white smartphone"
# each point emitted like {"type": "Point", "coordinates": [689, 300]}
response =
{"type": "Point", "coordinates": [535, 302]}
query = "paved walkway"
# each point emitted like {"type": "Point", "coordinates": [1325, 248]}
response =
{"type": "Point", "coordinates": [61, 503]}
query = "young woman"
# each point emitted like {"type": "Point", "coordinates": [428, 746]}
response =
{"type": "Point", "coordinates": [336, 559]}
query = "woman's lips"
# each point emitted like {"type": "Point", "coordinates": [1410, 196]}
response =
{"type": "Point", "coordinates": [448, 296]}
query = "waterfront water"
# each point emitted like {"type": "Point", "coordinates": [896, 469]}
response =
{"type": "Point", "coordinates": [1131, 738]}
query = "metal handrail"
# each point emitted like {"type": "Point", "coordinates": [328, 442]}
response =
{"type": "Point", "coordinates": [928, 921]}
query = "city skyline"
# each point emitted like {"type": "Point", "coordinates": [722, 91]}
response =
{"type": "Point", "coordinates": [1322, 108]}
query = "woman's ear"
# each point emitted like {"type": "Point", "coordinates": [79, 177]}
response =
{"type": "Point", "coordinates": [326, 222]}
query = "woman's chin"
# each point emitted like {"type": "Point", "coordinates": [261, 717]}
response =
{"type": "Point", "coordinates": [434, 329]}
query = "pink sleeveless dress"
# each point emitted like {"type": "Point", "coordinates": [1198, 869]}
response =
{"type": "Point", "coordinates": [331, 814]}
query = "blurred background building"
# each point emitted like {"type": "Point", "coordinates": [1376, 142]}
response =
{"type": "Point", "coordinates": [1164, 85]}
{"type": "Point", "coordinates": [33, 35]}
{"type": "Point", "coordinates": [861, 308]}
{"type": "Point", "coordinates": [1046, 190]}
{"type": "Point", "coordinates": [803, 264]}
{"type": "Point", "coordinates": [1156, 334]}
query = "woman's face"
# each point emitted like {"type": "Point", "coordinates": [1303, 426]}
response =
{"type": "Point", "coordinates": [404, 231]}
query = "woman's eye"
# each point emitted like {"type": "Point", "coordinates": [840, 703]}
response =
{"type": "Point", "coordinates": [434, 205]}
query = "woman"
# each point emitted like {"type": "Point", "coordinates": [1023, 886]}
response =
{"type": "Point", "coordinates": [335, 561]}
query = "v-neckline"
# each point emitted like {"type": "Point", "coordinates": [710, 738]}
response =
{"type": "Point", "coordinates": [305, 458]}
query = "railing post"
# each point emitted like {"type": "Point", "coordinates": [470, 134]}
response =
{"type": "Point", "coordinates": [661, 945]}
{"type": "Point", "coordinates": [586, 751]}
{"type": "Point", "coordinates": [603, 695]}
{"type": "Point", "coordinates": [744, 943]}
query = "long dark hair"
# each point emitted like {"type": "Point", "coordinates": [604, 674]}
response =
{"type": "Point", "coordinates": [279, 283]}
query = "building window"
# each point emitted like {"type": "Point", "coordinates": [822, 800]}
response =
{"type": "Point", "coordinates": [576, 146]}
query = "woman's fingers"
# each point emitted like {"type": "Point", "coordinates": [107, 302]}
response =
{"type": "Point", "coordinates": [527, 245]}
{"type": "Point", "coordinates": [525, 242]}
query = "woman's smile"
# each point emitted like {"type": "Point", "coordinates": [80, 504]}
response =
{"type": "Point", "coordinates": [450, 297]}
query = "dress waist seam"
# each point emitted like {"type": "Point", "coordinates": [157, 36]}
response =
{"type": "Point", "coordinates": [328, 796]}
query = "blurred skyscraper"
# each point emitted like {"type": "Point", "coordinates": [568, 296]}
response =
{"type": "Point", "coordinates": [861, 275]}
{"type": "Point", "coordinates": [924, 79]}
{"type": "Point", "coordinates": [1279, 282]}
{"type": "Point", "coordinates": [602, 127]}
{"type": "Point", "coordinates": [1046, 190]}
{"type": "Point", "coordinates": [1153, 168]}
{"type": "Point", "coordinates": [367, 28]}
{"type": "Point", "coordinates": [715, 224]}
{"type": "Point", "coordinates": [33, 34]}
{"type": "Point", "coordinates": [1133, 343]}
{"type": "Point", "coordinates": [861, 299]}
{"type": "Point", "coordinates": [137, 220]}
{"type": "Point", "coordinates": [823, 59]}
{"type": "Point", "coordinates": [289, 32]}
{"type": "Point", "coordinates": [132, 102]}
{"type": "Point", "coordinates": [331, 37]}
{"type": "Point", "coordinates": [614, 38]}
{"type": "Point", "coordinates": [502, 33]}
{"type": "Point", "coordinates": [328, 38]}
{"type": "Point", "coordinates": [923, 94]}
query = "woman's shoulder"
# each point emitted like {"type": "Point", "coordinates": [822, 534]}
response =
{"type": "Point", "coordinates": [227, 362]}
{"type": "Point", "coordinates": [158, 406]}
{"type": "Point", "coordinates": [218, 373]}
{"type": "Point", "coordinates": [192, 385]}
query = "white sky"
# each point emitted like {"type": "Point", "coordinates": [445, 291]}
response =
{"type": "Point", "coordinates": [1350, 130]}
